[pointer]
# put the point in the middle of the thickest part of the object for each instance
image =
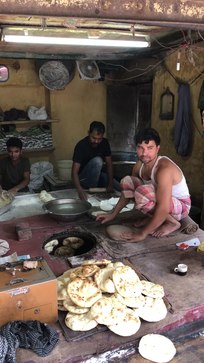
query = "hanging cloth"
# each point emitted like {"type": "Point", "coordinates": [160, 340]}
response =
{"type": "Point", "coordinates": [183, 127]}
{"type": "Point", "coordinates": [201, 97]}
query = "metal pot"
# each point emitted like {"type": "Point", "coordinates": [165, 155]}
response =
{"type": "Point", "coordinates": [67, 209]}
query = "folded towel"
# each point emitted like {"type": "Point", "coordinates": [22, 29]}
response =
{"type": "Point", "coordinates": [188, 226]}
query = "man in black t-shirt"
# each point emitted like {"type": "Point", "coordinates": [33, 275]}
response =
{"type": "Point", "coordinates": [14, 169]}
{"type": "Point", "coordinates": [90, 153]}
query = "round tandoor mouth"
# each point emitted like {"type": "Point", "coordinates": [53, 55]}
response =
{"type": "Point", "coordinates": [69, 244]}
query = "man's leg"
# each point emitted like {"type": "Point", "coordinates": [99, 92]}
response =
{"type": "Point", "coordinates": [89, 177]}
{"type": "Point", "coordinates": [179, 209]}
{"type": "Point", "coordinates": [144, 196]}
{"type": "Point", "coordinates": [103, 182]}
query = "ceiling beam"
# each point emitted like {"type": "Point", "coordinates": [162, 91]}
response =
{"type": "Point", "coordinates": [154, 11]}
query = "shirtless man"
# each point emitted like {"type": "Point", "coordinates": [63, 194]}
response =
{"type": "Point", "coordinates": [158, 188]}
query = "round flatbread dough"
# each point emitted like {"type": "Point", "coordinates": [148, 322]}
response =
{"type": "Point", "coordinates": [4, 247]}
{"type": "Point", "coordinates": [82, 322]}
{"type": "Point", "coordinates": [152, 290]}
{"type": "Point", "coordinates": [74, 242]}
{"type": "Point", "coordinates": [157, 348]}
{"type": "Point", "coordinates": [127, 282]}
{"type": "Point", "coordinates": [114, 231]}
{"type": "Point", "coordinates": [64, 251]}
{"type": "Point", "coordinates": [127, 326]}
{"type": "Point", "coordinates": [97, 213]}
{"type": "Point", "coordinates": [84, 292]}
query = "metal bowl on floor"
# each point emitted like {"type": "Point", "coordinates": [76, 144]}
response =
{"type": "Point", "coordinates": [67, 209]}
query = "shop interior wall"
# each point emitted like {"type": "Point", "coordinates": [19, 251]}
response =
{"type": "Point", "coordinates": [75, 107]}
{"type": "Point", "coordinates": [84, 101]}
{"type": "Point", "coordinates": [191, 71]}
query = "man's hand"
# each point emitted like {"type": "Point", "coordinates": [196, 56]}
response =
{"type": "Point", "coordinates": [104, 218]}
{"type": "Point", "coordinates": [13, 190]}
{"type": "Point", "coordinates": [82, 194]}
{"type": "Point", "coordinates": [110, 189]}
{"type": "Point", "coordinates": [133, 236]}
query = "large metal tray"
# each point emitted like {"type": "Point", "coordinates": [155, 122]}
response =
{"type": "Point", "coordinates": [67, 209]}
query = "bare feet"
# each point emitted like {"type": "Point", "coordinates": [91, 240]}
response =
{"type": "Point", "coordinates": [141, 222]}
{"type": "Point", "coordinates": [166, 228]}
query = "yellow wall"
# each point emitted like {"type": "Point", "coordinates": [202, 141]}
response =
{"type": "Point", "coordinates": [75, 107]}
{"type": "Point", "coordinates": [192, 165]}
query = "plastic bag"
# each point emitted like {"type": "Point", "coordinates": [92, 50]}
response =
{"type": "Point", "coordinates": [38, 170]}
{"type": "Point", "coordinates": [35, 113]}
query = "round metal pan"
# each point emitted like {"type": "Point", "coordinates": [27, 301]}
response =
{"type": "Point", "coordinates": [67, 209]}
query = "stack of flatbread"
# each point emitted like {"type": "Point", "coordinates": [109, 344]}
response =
{"type": "Point", "coordinates": [108, 293]}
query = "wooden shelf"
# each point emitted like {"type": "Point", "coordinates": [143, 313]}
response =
{"type": "Point", "coordinates": [43, 149]}
{"type": "Point", "coordinates": [20, 122]}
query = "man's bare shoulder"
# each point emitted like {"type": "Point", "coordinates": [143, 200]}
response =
{"type": "Point", "coordinates": [168, 168]}
{"type": "Point", "coordinates": [165, 162]}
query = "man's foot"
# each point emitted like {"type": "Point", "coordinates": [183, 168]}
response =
{"type": "Point", "coordinates": [141, 222]}
{"type": "Point", "coordinates": [166, 228]}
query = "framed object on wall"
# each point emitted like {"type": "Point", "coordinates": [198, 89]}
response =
{"type": "Point", "coordinates": [167, 105]}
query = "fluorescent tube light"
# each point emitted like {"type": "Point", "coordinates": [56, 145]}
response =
{"type": "Point", "coordinates": [138, 42]}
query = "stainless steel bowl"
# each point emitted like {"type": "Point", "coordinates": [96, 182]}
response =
{"type": "Point", "coordinates": [67, 209]}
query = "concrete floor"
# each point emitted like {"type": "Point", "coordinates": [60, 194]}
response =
{"type": "Point", "coordinates": [185, 296]}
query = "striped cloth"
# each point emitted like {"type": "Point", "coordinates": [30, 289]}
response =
{"type": "Point", "coordinates": [29, 334]}
{"type": "Point", "coordinates": [145, 198]}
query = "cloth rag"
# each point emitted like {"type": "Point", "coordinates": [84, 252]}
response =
{"type": "Point", "coordinates": [31, 334]}
{"type": "Point", "coordinates": [188, 226]}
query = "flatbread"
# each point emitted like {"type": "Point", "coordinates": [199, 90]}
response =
{"type": "Point", "coordinates": [50, 245]}
{"type": "Point", "coordinates": [103, 279]}
{"type": "Point", "coordinates": [157, 348]}
{"type": "Point", "coordinates": [82, 322]}
{"type": "Point", "coordinates": [108, 311]}
{"type": "Point", "coordinates": [152, 290]}
{"type": "Point", "coordinates": [84, 292]}
{"type": "Point", "coordinates": [72, 308]}
{"type": "Point", "coordinates": [64, 251]}
{"type": "Point", "coordinates": [153, 310]}
{"type": "Point", "coordinates": [74, 242]}
{"type": "Point", "coordinates": [132, 302]}
{"type": "Point", "coordinates": [127, 282]}
{"type": "Point", "coordinates": [84, 271]}
{"type": "Point", "coordinates": [127, 326]}
{"type": "Point", "coordinates": [96, 262]}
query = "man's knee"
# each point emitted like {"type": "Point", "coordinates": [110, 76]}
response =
{"type": "Point", "coordinates": [97, 162]}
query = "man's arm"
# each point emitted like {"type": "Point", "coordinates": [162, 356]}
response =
{"type": "Point", "coordinates": [136, 168]}
{"type": "Point", "coordinates": [109, 167]}
{"type": "Point", "coordinates": [104, 218]}
{"type": "Point", "coordinates": [24, 183]}
{"type": "Point", "coordinates": [76, 181]}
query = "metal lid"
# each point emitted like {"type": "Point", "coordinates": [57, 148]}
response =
{"type": "Point", "coordinates": [54, 75]}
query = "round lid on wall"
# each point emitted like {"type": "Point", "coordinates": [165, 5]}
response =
{"type": "Point", "coordinates": [55, 75]}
